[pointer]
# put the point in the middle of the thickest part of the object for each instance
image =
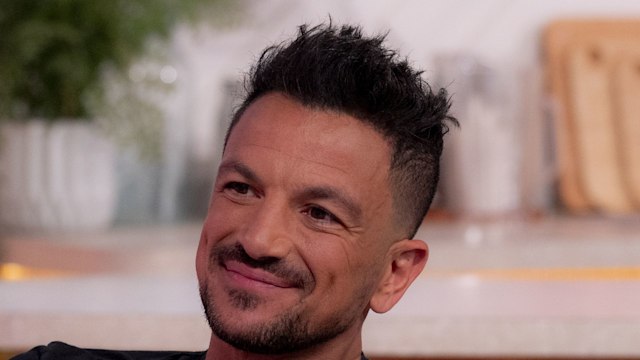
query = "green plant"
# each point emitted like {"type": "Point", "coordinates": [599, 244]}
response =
{"type": "Point", "coordinates": [52, 52]}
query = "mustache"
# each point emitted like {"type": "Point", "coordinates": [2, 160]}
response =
{"type": "Point", "coordinates": [222, 254]}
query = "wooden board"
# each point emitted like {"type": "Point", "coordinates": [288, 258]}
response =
{"type": "Point", "coordinates": [627, 96]}
{"type": "Point", "coordinates": [594, 126]}
{"type": "Point", "coordinates": [557, 38]}
{"type": "Point", "coordinates": [590, 176]}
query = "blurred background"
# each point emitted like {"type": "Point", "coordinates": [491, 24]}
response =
{"type": "Point", "coordinates": [112, 117]}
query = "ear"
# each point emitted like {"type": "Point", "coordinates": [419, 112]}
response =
{"type": "Point", "coordinates": [408, 258]}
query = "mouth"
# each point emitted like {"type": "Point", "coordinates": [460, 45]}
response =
{"type": "Point", "coordinates": [245, 275]}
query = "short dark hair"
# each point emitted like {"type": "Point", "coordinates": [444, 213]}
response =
{"type": "Point", "coordinates": [338, 69]}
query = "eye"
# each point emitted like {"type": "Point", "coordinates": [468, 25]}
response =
{"type": "Point", "coordinates": [322, 216]}
{"type": "Point", "coordinates": [239, 189]}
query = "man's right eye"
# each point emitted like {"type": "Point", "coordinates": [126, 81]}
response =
{"type": "Point", "coordinates": [239, 189]}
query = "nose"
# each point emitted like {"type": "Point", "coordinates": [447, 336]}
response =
{"type": "Point", "coordinates": [268, 234]}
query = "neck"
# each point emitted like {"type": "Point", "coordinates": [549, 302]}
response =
{"type": "Point", "coordinates": [346, 346]}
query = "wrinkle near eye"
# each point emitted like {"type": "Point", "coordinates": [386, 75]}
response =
{"type": "Point", "coordinates": [351, 210]}
{"type": "Point", "coordinates": [322, 220]}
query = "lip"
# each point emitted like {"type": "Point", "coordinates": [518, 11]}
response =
{"type": "Point", "coordinates": [247, 275]}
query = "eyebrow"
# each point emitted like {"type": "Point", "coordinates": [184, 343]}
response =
{"type": "Point", "coordinates": [240, 168]}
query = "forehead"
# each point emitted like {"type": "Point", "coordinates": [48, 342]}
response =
{"type": "Point", "coordinates": [280, 124]}
{"type": "Point", "coordinates": [297, 143]}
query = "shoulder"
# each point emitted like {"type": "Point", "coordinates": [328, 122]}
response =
{"type": "Point", "coordinates": [59, 350]}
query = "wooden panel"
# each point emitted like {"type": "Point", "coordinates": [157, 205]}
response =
{"type": "Point", "coordinates": [581, 58]}
{"type": "Point", "coordinates": [594, 126]}
{"type": "Point", "coordinates": [627, 96]}
{"type": "Point", "coordinates": [557, 38]}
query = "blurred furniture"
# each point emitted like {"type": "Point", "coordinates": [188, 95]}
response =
{"type": "Point", "coordinates": [593, 76]}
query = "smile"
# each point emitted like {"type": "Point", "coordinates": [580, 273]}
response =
{"type": "Point", "coordinates": [246, 276]}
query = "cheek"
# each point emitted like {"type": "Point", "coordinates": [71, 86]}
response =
{"type": "Point", "coordinates": [213, 230]}
{"type": "Point", "coordinates": [219, 222]}
{"type": "Point", "coordinates": [337, 268]}
{"type": "Point", "coordinates": [202, 255]}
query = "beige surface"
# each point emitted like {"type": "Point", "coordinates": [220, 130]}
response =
{"type": "Point", "coordinates": [554, 287]}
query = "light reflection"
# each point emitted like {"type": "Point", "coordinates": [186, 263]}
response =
{"type": "Point", "coordinates": [168, 74]}
{"type": "Point", "coordinates": [468, 280]}
{"type": "Point", "coordinates": [17, 272]}
{"type": "Point", "coordinates": [473, 235]}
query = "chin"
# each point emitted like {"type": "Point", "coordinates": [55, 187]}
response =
{"type": "Point", "coordinates": [265, 330]}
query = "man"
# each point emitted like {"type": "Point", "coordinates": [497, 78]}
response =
{"type": "Point", "coordinates": [328, 169]}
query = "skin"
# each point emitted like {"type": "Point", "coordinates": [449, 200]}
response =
{"type": "Point", "coordinates": [307, 190]}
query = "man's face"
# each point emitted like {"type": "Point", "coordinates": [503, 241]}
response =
{"type": "Point", "coordinates": [298, 229]}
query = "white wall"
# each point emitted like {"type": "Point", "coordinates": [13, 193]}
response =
{"type": "Point", "coordinates": [502, 34]}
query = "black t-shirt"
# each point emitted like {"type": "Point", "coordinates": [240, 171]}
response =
{"type": "Point", "coordinates": [61, 351]}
